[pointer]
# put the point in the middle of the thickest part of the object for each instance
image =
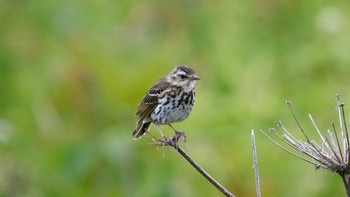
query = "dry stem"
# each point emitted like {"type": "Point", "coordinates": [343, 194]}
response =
{"type": "Point", "coordinates": [173, 143]}
{"type": "Point", "coordinates": [255, 160]}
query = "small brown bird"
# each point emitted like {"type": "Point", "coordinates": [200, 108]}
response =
{"type": "Point", "coordinates": [169, 100]}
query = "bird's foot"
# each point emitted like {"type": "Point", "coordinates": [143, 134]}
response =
{"type": "Point", "coordinates": [180, 135]}
{"type": "Point", "coordinates": [175, 139]}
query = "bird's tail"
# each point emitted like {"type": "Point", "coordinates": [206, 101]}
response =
{"type": "Point", "coordinates": [141, 129]}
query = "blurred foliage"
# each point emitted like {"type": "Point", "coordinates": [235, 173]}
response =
{"type": "Point", "coordinates": [72, 74]}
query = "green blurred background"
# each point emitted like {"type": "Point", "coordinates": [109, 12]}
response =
{"type": "Point", "coordinates": [73, 72]}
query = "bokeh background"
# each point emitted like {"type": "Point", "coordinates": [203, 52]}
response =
{"type": "Point", "coordinates": [73, 72]}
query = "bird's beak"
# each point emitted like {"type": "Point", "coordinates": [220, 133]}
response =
{"type": "Point", "coordinates": [195, 77]}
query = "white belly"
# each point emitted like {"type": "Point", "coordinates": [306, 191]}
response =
{"type": "Point", "coordinates": [178, 114]}
{"type": "Point", "coordinates": [173, 110]}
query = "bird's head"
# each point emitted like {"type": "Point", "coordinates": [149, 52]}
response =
{"type": "Point", "coordinates": [183, 76]}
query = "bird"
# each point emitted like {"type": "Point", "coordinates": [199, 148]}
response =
{"type": "Point", "coordinates": [169, 100]}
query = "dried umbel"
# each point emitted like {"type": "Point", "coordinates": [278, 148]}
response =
{"type": "Point", "coordinates": [330, 152]}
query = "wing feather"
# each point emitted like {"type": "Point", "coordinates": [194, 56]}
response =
{"type": "Point", "coordinates": [150, 100]}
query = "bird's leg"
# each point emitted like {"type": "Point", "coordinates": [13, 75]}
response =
{"type": "Point", "coordinates": [164, 139]}
{"type": "Point", "coordinates": [178, 134]}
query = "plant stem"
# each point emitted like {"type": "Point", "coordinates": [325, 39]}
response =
{"type": "Point", "coordinates": [203, 172]}
{"type": "Point", "coordinates": [346, 179]}
{"type": "Point", "coordinates": [173, 143]}
{"type": "Point", "coordinates": [255, 160]}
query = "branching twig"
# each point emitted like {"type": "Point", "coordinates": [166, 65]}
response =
{"type": "Point", "coordinates": [173, 143]}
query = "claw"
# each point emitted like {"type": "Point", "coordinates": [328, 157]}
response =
{"type": "Point", "coordinates": [173, 141]}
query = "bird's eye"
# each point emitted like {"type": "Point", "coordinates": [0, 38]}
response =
{"type": "Point", "coordinates": [182, 76]}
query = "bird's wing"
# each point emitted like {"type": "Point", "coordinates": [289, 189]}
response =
{"type": "Point", "coordinates": [150, 100]}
